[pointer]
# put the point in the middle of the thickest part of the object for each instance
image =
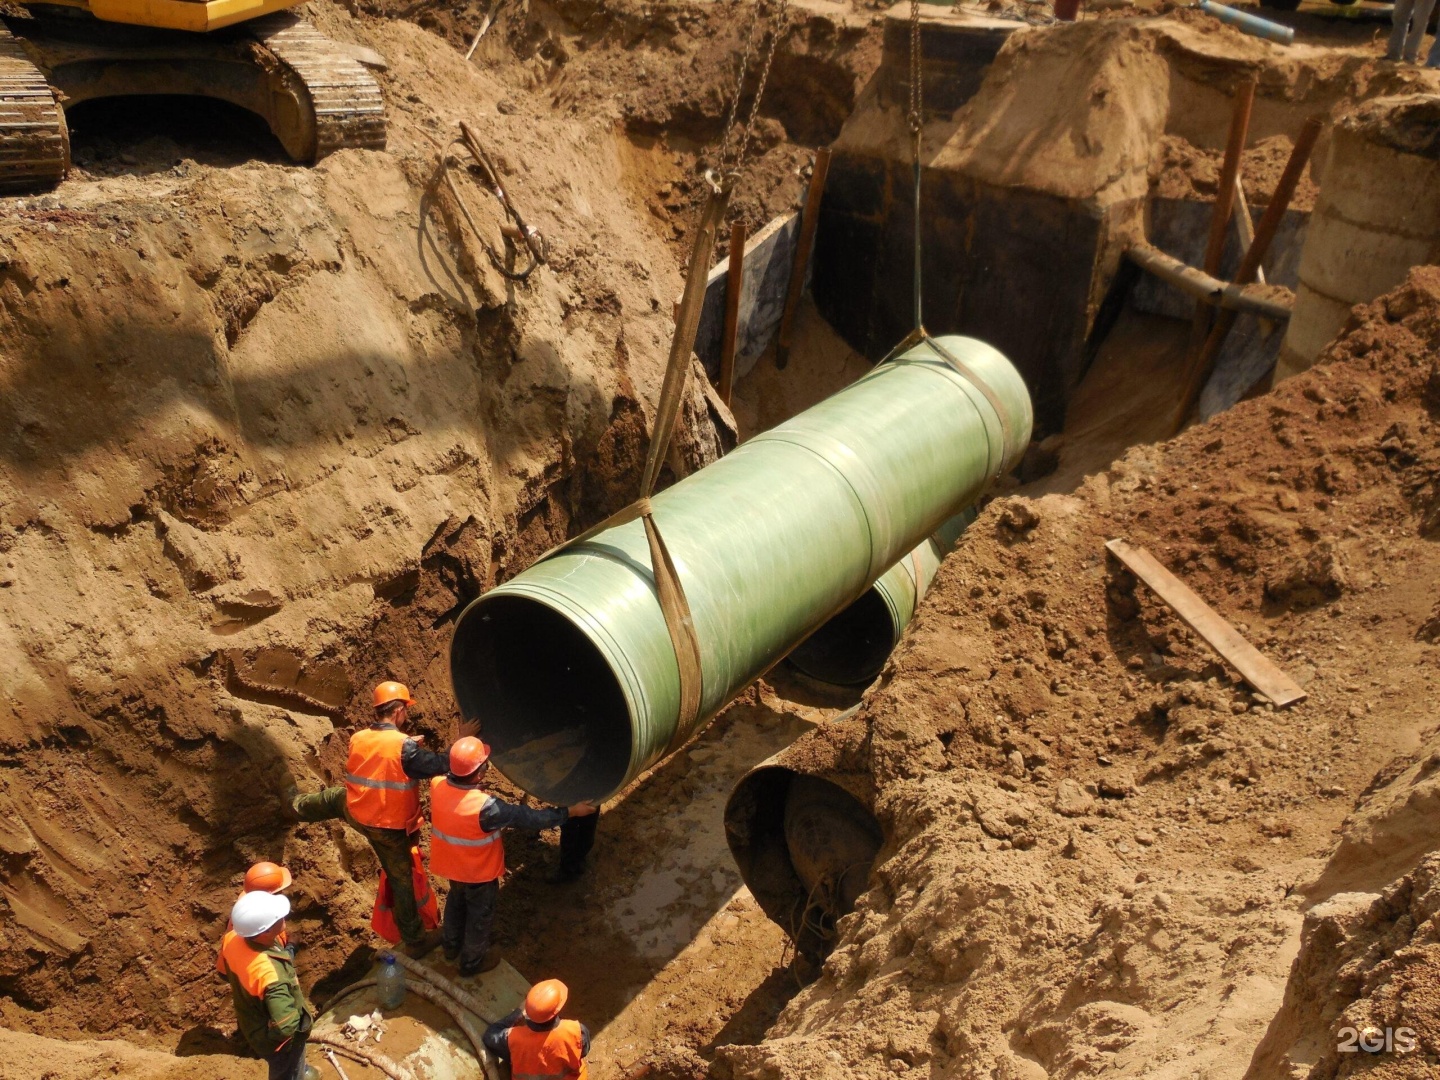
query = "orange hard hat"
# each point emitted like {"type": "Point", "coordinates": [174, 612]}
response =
{"type": "Point", "coordinates": [545, 1000]}
{"type": "Point", "coordinates": [267, 877]}
{"type": "Point", "coordinates": [467, 755]}
{"type": "Point", "coordinates": [387, 692]}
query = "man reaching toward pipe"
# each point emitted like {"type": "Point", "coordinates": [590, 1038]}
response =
{"type": "Point", "coordinates": [466, 847]}
{"type": "Point", "coordinates": [381, 800]}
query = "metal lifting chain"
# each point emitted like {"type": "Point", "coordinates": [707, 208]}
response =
{"type": "Point", "coordinates": [727, 170]}
{"type": "Point", "coordinates": [915, 120]}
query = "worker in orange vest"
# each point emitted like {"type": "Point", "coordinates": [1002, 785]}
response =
{"type": "Point", "coordinates": [466, 848]}
{"type": "Point", "coordinates": [274, 1016]}
{"type": "Point", "coordinates": [536, 1042]}
{"type": "Point", "coordinates": [381, 799]}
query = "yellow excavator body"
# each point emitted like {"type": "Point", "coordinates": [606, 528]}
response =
{"type": "Point", "coordinates": [196, 16]}
{"type": "Point", "coordinates": [313, 94]}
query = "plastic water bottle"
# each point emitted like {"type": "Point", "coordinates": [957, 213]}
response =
{"type": "Point", "coordinates": [390, 983]}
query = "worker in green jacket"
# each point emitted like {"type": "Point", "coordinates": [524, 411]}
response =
{"type": "Point", "coordinates": [274, 1016]}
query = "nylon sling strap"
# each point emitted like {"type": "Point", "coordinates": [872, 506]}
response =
{"type": "Point", "coordinates": [673, 604]}
{"type": "Point", "coordinates": [679, 623]}
{"type": "Point", "coordinates": [671, 593]}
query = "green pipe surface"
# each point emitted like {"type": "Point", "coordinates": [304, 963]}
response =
{"type": "Point", "coordinates": [852, 647]}
{"type": "Point", "coordinates": [568, 666]}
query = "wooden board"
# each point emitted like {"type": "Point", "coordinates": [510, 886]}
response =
{"type": "Point", "coordinates": [763, 283]}
{"type": "Point", "coordinates": [1210, 625]}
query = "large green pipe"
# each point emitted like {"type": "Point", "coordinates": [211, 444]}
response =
{"type": "Point", "coordinates": [568, 666]}
{"type": "Point", "coordinates": [852, 647]}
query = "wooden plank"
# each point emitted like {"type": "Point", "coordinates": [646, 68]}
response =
{"type": "Point", "coordinates": [1244, 227]}
{"type": "Point", "coordinates": [1224, 203]}
{"type": "Point", "coordinates": [1258, 671]}
{"type": "Point", "coordinates": [763, 284]}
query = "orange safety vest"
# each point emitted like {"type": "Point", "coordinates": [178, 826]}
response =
{"type": "Point", "coordinates": [255, 976]}
{"type": "Point", "coordinates": [460, 850]}
{"type": "Point", "coordinates": [546, 1055]}
{"type": "Point", "coordinates": [377, 791]}
{"type": "Point", "coordinates": [252, 970]}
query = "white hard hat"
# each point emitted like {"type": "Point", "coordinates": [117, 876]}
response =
{"type": "Point", "coordinates": [256, 912]}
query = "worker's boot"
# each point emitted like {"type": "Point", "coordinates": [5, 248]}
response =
{"type": "Point", "coordinates": [490, 963]}
{"type": "Point", "coordinates": [565, 873]}
{"type": "Point", "coordinates": [416, 949]}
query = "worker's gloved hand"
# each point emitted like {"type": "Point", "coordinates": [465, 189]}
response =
{"type": "Point", "coordinates": [467, 729]}
{"type": "Point", "coordinates": [583, 809]}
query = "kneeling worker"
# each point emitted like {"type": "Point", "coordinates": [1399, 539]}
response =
{"type": "Point", "coordinates": [536, 1042]}
{"type": "Point", "coordinates": [274, 1016]}
{"type": "Point", "coordinates": [381, 799]}
{"type": "Point", "coordinates": [466, 848]}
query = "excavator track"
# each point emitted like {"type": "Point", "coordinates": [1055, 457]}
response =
{"type": "Point", "coordinates": [349, 111]}
{"type": "Point", "coordinates": [34, 141]}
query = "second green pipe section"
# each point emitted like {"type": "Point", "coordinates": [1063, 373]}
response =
{"type": "Point", "coordinates": [568, 665]}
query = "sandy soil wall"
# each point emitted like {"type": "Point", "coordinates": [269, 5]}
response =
{"type": "Point", "coordinates": [264, 429]}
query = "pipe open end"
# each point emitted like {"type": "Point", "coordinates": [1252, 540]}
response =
{"type": "Point", "coordinates": [805, 847]}
{"type": "Point", "coordinates": [548, 703]}
{"type": "Point", "coordinates": [852, 647]}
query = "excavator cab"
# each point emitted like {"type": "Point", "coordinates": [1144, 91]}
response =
{"type": "Point", "coordinates": [310, 91]}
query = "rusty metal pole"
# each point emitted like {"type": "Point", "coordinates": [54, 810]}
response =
{"type": "Point", "coordinates": [809, 219]}
{"type": "Point", "coordinates": [734, 279]}
{"type": "Point", "coordinates": [1265, 231]}
{"type": "Point", "coordinates": [1224, 203]}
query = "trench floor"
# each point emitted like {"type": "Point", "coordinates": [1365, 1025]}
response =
{"type": "Point", "coordinates": [660, 942]}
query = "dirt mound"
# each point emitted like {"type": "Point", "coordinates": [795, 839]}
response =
{"type": "Point", "coordinates": [1134, 103]}
{"type": "Point", "coordinates": [1363, 993]}
{"type": "Point", "coordinates": [1182, 171]}
{"type": "Point", "coordinates": [1099, 841]}
{"type": "Point", "coordinates": [32, 1055]}
{"type": "Point", "coordinates": [664, 74]}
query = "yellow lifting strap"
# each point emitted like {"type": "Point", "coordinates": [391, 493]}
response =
{"type": "Point", "coordinates": [672, 396]}
{"type": "Point", "coordinates": [668, 588]}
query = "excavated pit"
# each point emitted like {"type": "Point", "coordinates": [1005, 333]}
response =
{"type": "Point", "coordinates": [268, 430]}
